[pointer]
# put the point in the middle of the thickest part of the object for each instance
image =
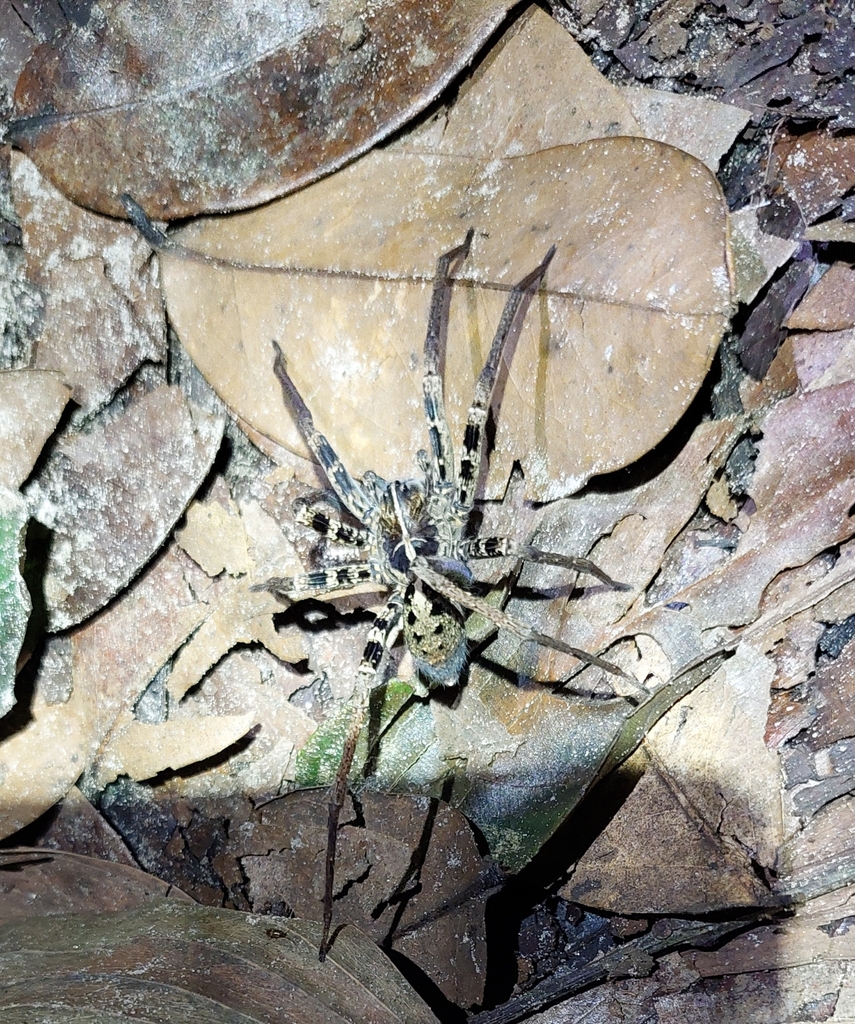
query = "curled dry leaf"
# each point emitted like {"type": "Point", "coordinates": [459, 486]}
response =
{"type": "Point", "coordinates": [111, 495]}
{"type": "Point", "coordinates": [638, 288]}
{"type": "Point", "coordinates": [14, 598]}
{"type": "Point", "coordinates": [103, 314]}
{"type": "Point", "coordinates": [184, 962]}
{"type": "Point", "coordinates": [201, 109]}
{"type": "Point", "coordinates": [31, 402]}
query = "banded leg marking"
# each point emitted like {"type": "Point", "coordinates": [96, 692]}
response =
{"type": "Point", "coordinates": [441, 445]}
{"type": "Point", "coordinates": [499, 547]}
{"type": "Point", "coordinates": [321, 581]}
{"type": "Point", "coordinates": [470, 453]}
{"type": "Point", "coordinates": [501, 618]}
{"type": "Point", "coordinates": [327, 523]}
{"type": "Point", "coordinates": [349, 491]}
{"type": "Point", "coordinates": [381, 637]}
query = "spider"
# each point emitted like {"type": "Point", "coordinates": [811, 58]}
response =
{"type": "Point", "coordinates": [414, 537]}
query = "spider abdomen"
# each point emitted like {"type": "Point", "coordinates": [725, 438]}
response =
{"type": "Point", "coordinates": [434, 634]}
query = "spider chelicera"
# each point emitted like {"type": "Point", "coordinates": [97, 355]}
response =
{"type": "Point", "coordinates": [414, 539]}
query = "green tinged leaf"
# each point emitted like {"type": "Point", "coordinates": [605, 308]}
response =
{"type": "Point", "coordinates": [14, 599]}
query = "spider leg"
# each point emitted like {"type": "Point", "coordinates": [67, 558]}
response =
{"type": "Point", "coordinates": [452, 592]}
{"type": "Point", "coordinates": [442, 447]}
{"type": "Point", "coordinates": [381, 637]}
{"type": "Point", "coordinates": [349, 491]}
{"type": "Point", "coordinates": [499, 547]}
{"type": "Point", "coordinates": [324, 521]}
{"type": "Point", "coordinates": [470, 454]}
{"type": "Point", "coordinates": [321, 581]}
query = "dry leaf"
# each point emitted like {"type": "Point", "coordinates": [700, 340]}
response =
{"type": "Point", "coordinates": [181, 961]}
{"type": "Point", "coordinates": [44, 883]}
{"type": "Point", "coordinates": [15, 604]}
{"type": "Point", "coordinates": [830, 303]}
{"type": "Point", "coordinates": [31, 402]}
{"type": "Point", "coordinates": [711, 793]}
{"type": "Point", "coordinates": [408, 870]}
{"type": "Point", "coordinates": [638, 288]}
{"type": "Point", "coordinates": [700, 126]}
{"type": "Point", "coordinates": [103, 315]}
{"type": "Point", "coordinates": [536, 89]}
{"type": "Point", "coordinates": [82, 683]}
{"type": "Point", "coordinates": [756, 254]}
{"type": "Point", "coordinates": [192, 110]}
{"type": "Point", "coordinates": [111, 495]}
{"type": "Point", "coordinates": [816, 168]}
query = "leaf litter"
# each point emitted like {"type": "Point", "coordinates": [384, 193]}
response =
{"type": "Point", "coordinates": [763, 583]}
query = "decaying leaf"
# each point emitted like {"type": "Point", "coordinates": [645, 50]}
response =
{"type": "Point", "coordinates": [408, 870]}
{"type": "Point", "coordinates": [111, 495]}
{"type": "Point", "coordinates": [816, 168]}
{"type": "Point", "coordinates": [638, 288]}
{"type": "Point", "coordinates": [181, 961]}
{"type": "Point", "coordinates": [830, 304]}
{"type": "Point", "coordinates": [31, 402]}
{"type": "Point", "coordinates": [84, 681]}
{"type": "Point", "coordinates": [14, 599]}
{"type": "Point", "coordinates": [103, 313]}
{"type": "Point", "coordinates": [193, 110]}
{"type": "Point", "coordinates": [44, 883]}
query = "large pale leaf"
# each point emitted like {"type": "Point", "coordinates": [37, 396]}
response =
{"type": "Point", "coordinates": [636, 297]}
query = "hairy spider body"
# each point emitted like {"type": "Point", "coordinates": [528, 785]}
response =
{"type": "Point", "coordinates": [412, 536]}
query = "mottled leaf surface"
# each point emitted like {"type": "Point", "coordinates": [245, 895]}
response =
{"type": "Point", "coordinates": [184, 962]}
{"type": "Point", "coordinates": [31, 402]}
{"type": "Point", "coordinates": [111, 495]}
{"type": "Point", "coordinates": [637, 296]}
{"type": "Point", "coordinates": [193, 109]}
{"type": "Point", "coordinates": [103, 312]}
{"type": "Point", "coordinates": [14, 598]}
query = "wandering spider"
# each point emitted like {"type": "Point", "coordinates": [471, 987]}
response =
{"type": "Point", "coordinates": [413, 535]}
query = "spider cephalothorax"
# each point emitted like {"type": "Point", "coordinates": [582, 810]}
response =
{"type": "Point", "coordinates": [412, 535]}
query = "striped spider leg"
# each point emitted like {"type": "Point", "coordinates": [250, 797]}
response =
{"type": "Point", "coordinates": [411, 536]}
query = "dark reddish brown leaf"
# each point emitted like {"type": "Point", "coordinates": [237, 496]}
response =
{"type": "Point", "coordinates": [195, 108]}
{"type": "Point", "coordinates": [815, 168]}
{"type": "Point", "coordinates": [42, 883]}
{"type": "Point", "coordinates": [111, 495]}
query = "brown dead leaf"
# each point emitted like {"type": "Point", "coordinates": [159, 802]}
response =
{"type": "Point", "coordinates": [816, 168]}
{"type": "Point", "coordinates": [103, 314]}
{"type": "Point", "coordinates": [44, 883]}
{"type": "Point", "coordinates": [822, 359]}
{"type": "Point", "coordinates": [700, 126]}
{"type": "Point", "coordinates": [830, 304]}
{"type": "Point", "coordinates": [517, 100]}
{"type": "Point", "coordinates": [182, 961]}
{"type": "Point", "coordinates": [193, 110]}
{"type": "Point", "coordinates": [82, 683]}
{"type": "Point", "coordinates": [111, 495]}
{"type": "Point", "coordinates": [31, 402]}
{"type": "Point", "coordinates": [411, 876]}
{"type": "Point", "coordinates": [711, 796]}
{"type": "Point", "coordinates": [638, 288]}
